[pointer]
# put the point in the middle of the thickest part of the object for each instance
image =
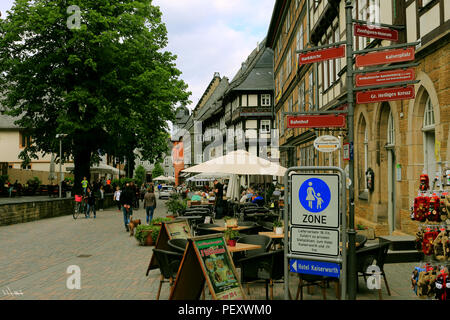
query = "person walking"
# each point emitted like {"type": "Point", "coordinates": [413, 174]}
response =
{"type": "Point", "coordinates": [126, 199]}
{"type": "Point", "coordinates": [150, 203]}
{"type": "Point", "coordinates": [101, 200]}
{"type": "Point", "coordinates": [84, 184]}
{"type": "Point", "coordinates": [117, 197]}
{"type": "Point", "coordinates": [90, 203]}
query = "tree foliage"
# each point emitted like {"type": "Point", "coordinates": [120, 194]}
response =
{"type": "Point", "coordinates": [108, 84]}
{"type": "Point", "coordinates": [140, 175]}
{"type": "Point", "coordinates": [157, 170]}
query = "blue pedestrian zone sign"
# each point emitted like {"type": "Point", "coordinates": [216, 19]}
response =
{"type": "Point", "coordinates": [314, 195]}
{"type": "Point", "coordinates": [315, 200]}
{"type": "Point", "coordinates": [327, 269]}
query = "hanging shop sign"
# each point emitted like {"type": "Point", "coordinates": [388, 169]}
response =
{"type": "Point", "coordinates": [390, 94]}
{"type": "Point", "coordinates": [316, 121]}
{"type": "Point", "coordinates": [372, 31]}
{"type": "Point", "coordinates": [384, 57]}
{"type": "Point", "coordinates": [321, 55]}
{"type": "Point", "coordinates": [326, 143]}
{"type": "Point", "coordinates": [384, 77]}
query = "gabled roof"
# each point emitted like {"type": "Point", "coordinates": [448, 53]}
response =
{"type": "Point", "coordinates": [7, 122]}
{"type": "Point", "coordinates": [256, 72]}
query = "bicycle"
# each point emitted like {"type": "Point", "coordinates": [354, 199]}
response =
{"type": "Point", "coordinates": [80, 206]}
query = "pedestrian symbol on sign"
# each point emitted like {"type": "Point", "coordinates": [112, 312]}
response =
{"type": "Point", "coordinates": [314, 195]}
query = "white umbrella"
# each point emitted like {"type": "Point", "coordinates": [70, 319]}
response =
{"type": "Point", "coordinates": [162, 178]}
{"type": "Point", "coordinates": [239, 162]}
{"type": "Point", "coordinates": [233, 189]}
{"type": "Point", "coordinates": [208, 177]}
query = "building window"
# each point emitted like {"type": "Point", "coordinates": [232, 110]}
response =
{"type": "Point", "coordinates": [391, 130]}
{"type": "Point", "coordinates": [300, 38]}
{"type": "Point", "coordinates": [428, 117]}
{"type": "Point", "coordinates": [289, 62]}
{"type": "Point", "coordinates": [265, 100]}
{"type": "Point", "coordinates": [368, 10]}
{"type": "Point", "coordinates": [311, 90]}
{"type": "Point", "coordinates": [265, 126]}
{"type": "Point", "coordinates": [25, 140]}
{"type": "Point", "coordinates": [301, 96]}
{"type": "Point", "coordinates": [288, 21]}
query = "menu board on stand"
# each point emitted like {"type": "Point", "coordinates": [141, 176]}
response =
{"type": "Point", "coordinates": [207, 259]}
{"type": "Point", "coordinates": [177, 229]}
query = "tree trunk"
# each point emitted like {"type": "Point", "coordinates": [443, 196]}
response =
{"type": "Point", "coordinates": [82, 159]}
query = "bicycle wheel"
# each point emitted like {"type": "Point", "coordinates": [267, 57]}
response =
{"type": "Point", "coordinates": [76, 210]}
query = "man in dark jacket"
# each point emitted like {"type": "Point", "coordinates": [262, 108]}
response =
{"type": "Point", "coordinates": [126, 200]}
{"type": "Point", "coordinates": [90, 203]}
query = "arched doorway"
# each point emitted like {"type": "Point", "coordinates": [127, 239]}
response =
{"type": "Point", "coordinates": [429, 140]}
{"type": "Point", "coordinates": [386, 165]}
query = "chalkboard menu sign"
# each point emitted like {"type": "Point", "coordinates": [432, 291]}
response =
{"type": "Point", "coordinates": [177, 229]}
{"type": "Point", "coordinates": [207, 259]}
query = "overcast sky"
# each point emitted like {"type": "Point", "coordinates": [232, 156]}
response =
{"type": "Point", "coordinates": [209, 36]}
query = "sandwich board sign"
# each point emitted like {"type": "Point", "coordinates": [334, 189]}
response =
{"type": "Point", "coordinates": [207, 258]}
{"type": "Point", "coordinates": [176, 229]}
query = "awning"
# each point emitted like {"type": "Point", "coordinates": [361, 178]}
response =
{"type": "Point", "coordinates": [100, 168]}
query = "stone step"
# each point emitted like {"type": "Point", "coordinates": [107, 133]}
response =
{"type": "Point", "coordinates": [403, 256]}
{"type": "Point", "coordinates": [400, 242]}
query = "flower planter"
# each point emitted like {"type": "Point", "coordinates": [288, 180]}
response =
{"type": "Point", "coordinates": [231, 243]}
{"type": "Point", "coordinates": [149, 239]}
{"type": "Point", "coordinates": [278, 230]}
{"type": "Point", "coordinates": [369, 233]}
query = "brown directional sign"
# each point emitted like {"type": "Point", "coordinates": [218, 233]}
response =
{"type": "Point", "coordinates": [384, 77]}
{"type": "Point", "coordinates": [384, 57]}
{"type": "Point", "coordinates": [372, 31]}
{"type": "Point", "coordinates": [207, 258]}
{"type": "Point", "coordinates": [321, 55]}
{"type": "Point", "coordinates": [389, 94]}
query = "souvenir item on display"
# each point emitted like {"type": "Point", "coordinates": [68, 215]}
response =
{"type": "Point", "coordinates": [421, 207]}
{"type": "Point", "coordinates": [427, 244]}
{"type": "Point", "coordinates": [447, 202]}
{"type": "Point", "coordinates": [419, 240]}
{"type": "Point", "coordinates": [442, 285]}
{"type": "Point", "coordinates": [443, 212]}
{"type": "Point", "coordinates": [415, 278]}
{"type": "Point", "coordinates": [441, 246]}
{"type": "Point", "coordinates": [433, 212]}
{"type": "Point", "coordinates": [424, 182]}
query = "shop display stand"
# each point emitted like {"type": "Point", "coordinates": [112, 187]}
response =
{"type": "Point", "coordinates": [430, 278]}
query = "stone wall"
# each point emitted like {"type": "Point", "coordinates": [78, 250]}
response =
{"type": "Point", "coordinates": [25, 211]}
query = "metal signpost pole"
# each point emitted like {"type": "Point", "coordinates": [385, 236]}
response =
{"type": "Point", "coordinates": [352, 277]}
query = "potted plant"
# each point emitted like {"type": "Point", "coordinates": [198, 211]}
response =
{"type": "Point", "coordinates": [146, 235]}
{"type": "Point", "coordinates": [366, 231]}
{"type": "Point", "coordinates": [175, 205]}
{"type": "Point", "coordinates": [231, 237]}
{"type": "Point", "coordinates": [230, 222]}
{"type": "Point", "coordinates": [278, 227]}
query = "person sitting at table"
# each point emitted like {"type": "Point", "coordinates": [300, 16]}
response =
{"type": "Point", "coordinates": [244, 197]}
{"type": "Point", "coordinates": [196, 197]}
{"type": "Point", "coordinates": [211, 196]}
{"type": "Point", "coordinates": [258, 199]}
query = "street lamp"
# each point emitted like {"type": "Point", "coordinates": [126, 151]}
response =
{"type": "Point", "coordinates": [60, 136]}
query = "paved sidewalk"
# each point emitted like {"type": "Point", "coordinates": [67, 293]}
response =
{"type": "Point", "coordinates": [34, 258]}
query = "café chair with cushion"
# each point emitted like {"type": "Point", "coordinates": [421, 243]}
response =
{"type": "Point", "coordinates": [267, 225]}
{"type": "Point", "coordinates": [253, 228]}
{"type": "Point", "coordinates": [263, 241]}
{"type": "Point", "coordinates": [169, 263]}
{"type": "Point", "coordinates": [178, 245]}
{"type": "Point", "coordinates": [373, 255]}
{"type": "Point", "coordinates": [266, 266]}
{"type": "Point", "coordinates": [361, 240]}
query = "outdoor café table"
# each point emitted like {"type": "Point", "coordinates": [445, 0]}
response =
{"type": "Point", "coordinates": [222, 229]}
{"type": "Point", "coordinates": [277, 237]}
{"type": "Point", "coordinates": [243, 247]}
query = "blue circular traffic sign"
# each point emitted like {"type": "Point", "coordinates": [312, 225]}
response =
{"type": "Point", "coordinates": [314, 195]}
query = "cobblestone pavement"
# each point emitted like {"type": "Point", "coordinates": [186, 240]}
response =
{"type": "Point", "coordinates": [34, 258]}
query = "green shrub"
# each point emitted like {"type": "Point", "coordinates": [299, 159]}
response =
{"type": "Point", "coordinates": [142, 231]}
